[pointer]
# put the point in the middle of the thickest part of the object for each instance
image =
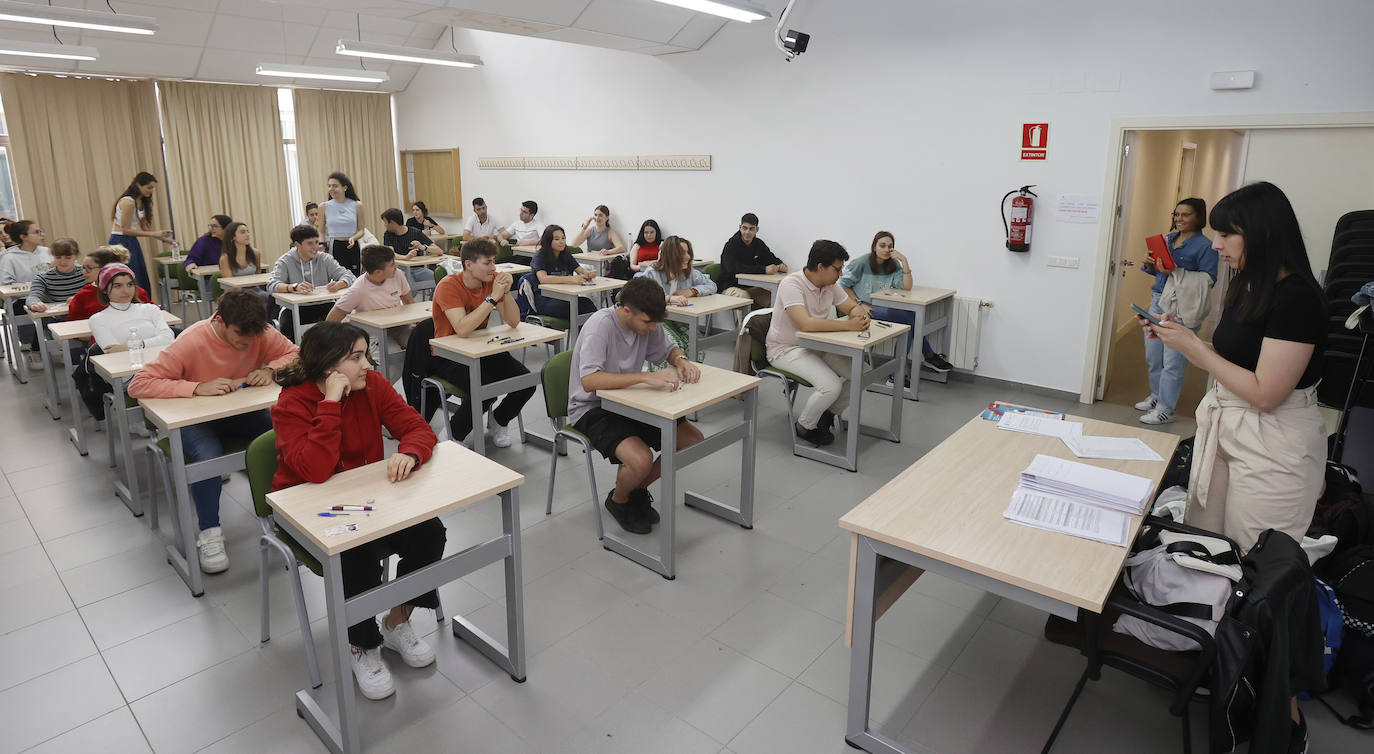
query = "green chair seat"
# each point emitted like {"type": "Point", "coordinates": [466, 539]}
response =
{"type": "Point", "coordinates": [759, 357]}
{"type": "Point", "coordinates": [450, 388]}
{"type": "Point", "coordinates": [439, 273]}
{"type": "Point", "coordinates": [714, 272]}
{"type": "Point", "coordinates": [555, 323]}
{"type": "Point", "coordinates": [177, 275]}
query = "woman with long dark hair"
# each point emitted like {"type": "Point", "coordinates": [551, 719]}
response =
{"type": "Point", "coordinates": [239, 257]}
{"type": "Point", "coordinates": [328, 419]}
{"type": "Point", "coordinates": [132, 219]}
{"type": "Point", "coordinates": [343, 222]}
{"type": "Point", "coordinates": [646, 245]}
{"type": "Point", "coordinates": [680, 281]}
{"type": "Point", "coordinates": [420, 220]}
{"type": "Point", "coordinates": [884, 268]}
{"type": "Point", "coordinates": [553, 264]}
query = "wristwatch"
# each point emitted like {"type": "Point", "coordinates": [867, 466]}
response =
{"type": "Point", "coordinates": [491, 300]}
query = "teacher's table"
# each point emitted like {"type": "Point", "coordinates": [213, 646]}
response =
{"type": "Point", "coordinates": [934, 311]}
{"type": "Point", "coordinates": [854, 345]}
{"type": "Point", "coordinates": [943, 514]}
{"type": "Point", "coordinates": [378, 321]}
{"type": "Point", "coordinates": [571, 292]}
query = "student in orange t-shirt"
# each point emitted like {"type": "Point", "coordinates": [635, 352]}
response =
{"type": "Point", "coordinates": [462, 304]}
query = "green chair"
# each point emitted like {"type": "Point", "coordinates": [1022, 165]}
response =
{"type": "Point", "coordinates": [555, 381]}
{"type": "Point", "coordinates": [714, 271]}
{"type": "Point", "coordinates": [179, 280]}
{"type": "Point", "coordinates": [758, 361]}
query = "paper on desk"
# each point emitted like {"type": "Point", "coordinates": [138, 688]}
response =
{"type": "Point", "coordinates": [1115, 448]}
{"type": "Point", "coordinates": [1068, 517]}
{"type": "Point", "coordinates": [1039, 424]}
{"type": "Point", "coordinates": [1090, 484]}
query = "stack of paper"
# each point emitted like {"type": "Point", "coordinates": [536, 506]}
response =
{"type": "Point", "coordinates": [1040, 424]}
{"type": "Point", "coordinates": [1078, 499]}
{"type": "Point", "coordinates": [1068, 517]}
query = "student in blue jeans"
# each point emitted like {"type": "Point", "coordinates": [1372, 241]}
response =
{"type": "Point", "coordinates": [1191, 251]}
{"type": "Point", "coordinates": [554, 265]}
{"type": "Point", "coordinates": [881, 269]}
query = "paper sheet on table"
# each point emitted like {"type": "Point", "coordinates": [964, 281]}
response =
{"type": "Point", "coordinates": [1091, 484]}
{"type": "Point", "coordinates": [1115, 448]}
{"type": "Point", "coordinates": [1068, 517]}
{"type": "Point", "coordinates": [1036, 424]}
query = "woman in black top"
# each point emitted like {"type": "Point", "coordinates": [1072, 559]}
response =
{"type": "Point", "coordinates": [420, 220]}
{"type": "Point", "coordinates": [1259, 456]}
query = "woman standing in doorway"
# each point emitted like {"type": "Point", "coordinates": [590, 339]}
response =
{"type": "Point", "coordinates": [132, 219]}
{"type": "Point", "coordinates": [343, 222]}
{"type": "Point", "coordinates": [1191, 251]}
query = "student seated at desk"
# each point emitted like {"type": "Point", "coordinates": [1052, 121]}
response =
{"type": "Point", "coordinates": [234, 347]}
{"type": "Point", "coordinates": [59, 282]}
{"type": "Point", "coordinates": [525, 231]}
{"type": "Point", "coordinates": [329, 419]}
{"type": "Point", "coordinates": [681, 282]}
{"type": "Point", "coordinates": [206, 250]}
{"type": "Point", "coordinates": [113, 326]}
{"type": "Point", "coordinates": [610, 353]}
{"type": "Point", "coordinates": [646, 247]}
{"type": "Point", "coordinates": [555, 265]}
{"type": "Point", "coordinates": [806, 299]}
{"type": "Point", "coordinates": [882, 268]}
{"type": "Point", "coordinates": [598, 235]}
{"type": "Point", "coordinates": [462, 304]}
{"type": "Point", "coordinates": [303, 269]}
{"type": "Point", "coordinates": [420, 220]}
{"type": "Point", "coordinates": [480, 224]}
{"type": "Point", "coordinates": [382, 286]}
{"type": "Point", "coordinates": [746, 253]}
{"type": "Point", "coordinates": [239, 257]}
{"type": "Point", "coordinates": [408, 242]}
{"type": "Point", "coordinates": [20, 264]}
{"type": "Point", "coordinates": [86, 302]}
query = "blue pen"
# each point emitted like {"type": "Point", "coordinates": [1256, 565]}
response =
{"type": "Point", "coordinates": [327, 514]}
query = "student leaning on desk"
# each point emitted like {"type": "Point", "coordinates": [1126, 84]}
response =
{"type": "Point", "coordinates": [234, 348]}
{"type": "Point", "coordinates": [329, 419]}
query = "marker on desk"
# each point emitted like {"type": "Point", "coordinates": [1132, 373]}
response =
{"type": "Point", "coordinates": [351, 508]}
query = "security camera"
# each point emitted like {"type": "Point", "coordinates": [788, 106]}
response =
{"type": "Point", "coordinates": [794, 42]}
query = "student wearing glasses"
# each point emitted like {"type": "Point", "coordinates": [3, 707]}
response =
{"type": "Point", "coordinates": [206, 250]}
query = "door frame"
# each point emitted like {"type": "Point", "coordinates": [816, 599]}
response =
{"type": "Point", "coordinates": [1100, 323]}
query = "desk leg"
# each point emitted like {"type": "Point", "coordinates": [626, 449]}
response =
{"type": "Point", "coordinates": [510, 658]}
{"type": "Point", "coordinates": [77, 433]}
{"type": "Point", "coordinates": [203, 283]}
{"type": "Point", "coordinates": [128, 491]}
{"type": "Point", "coordinates": [856, 397]}
{"type": "Point", "coordinates": [475, 401]}
{"type": "Point", "coordinates": [343, 738]}
{"type": "Point", "coordinates": [297, 328]}
{"type": "Point", "coordinates": [895, 419]}
{"type": "Point", "coordinates": [914, 349]}
{"type": "Point", "coordinates": [857, 733]}
{"type": "Point", "coordinates": [667, 484]}
{"type": "Point", "coordinates": [49, 376]}
{"type": "Point", "coordinates": [181, 553]}
{"type": "Point", "coordinates": [573, 308]}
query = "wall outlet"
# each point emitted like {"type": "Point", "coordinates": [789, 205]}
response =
{"type": "Point", "coordinates": [1066, 262]}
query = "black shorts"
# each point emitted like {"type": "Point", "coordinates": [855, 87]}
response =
{"type": "Point", "coordinates": [606, 430]}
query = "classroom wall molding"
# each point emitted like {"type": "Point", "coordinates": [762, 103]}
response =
{"type": "Point", "coordinates": [626, 162]}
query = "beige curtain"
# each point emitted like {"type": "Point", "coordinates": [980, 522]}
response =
{"type": "Point", "coordinates": [349, 132]}
{"type": "Point", "coordinates": [76, 145]}
{"type": "Point", "coordinates": [224, 156]}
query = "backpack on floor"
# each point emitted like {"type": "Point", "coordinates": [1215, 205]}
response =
{"type": "Point", "coordinates": [90, 385]}
{"type": "Point", "coordinates": [1354, 672]}
{"type": "Point", "coordinates": [1343, 510]}
{"type": "Point", "coordinates": [619, 268]}
{"type": "Point", "coordinates": [525, 291]}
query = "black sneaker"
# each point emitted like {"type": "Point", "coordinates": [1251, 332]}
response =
{"type": "Point", "coordinates": [1297, 737]}
{"type": "Point", "coordinates": [827, 420]}
{"type": "Point", "coordinates": [936, 363]}
{"type": "Point", "coordinates": [818, 436]}
{"type": "Point", "coordinates": [643, 501]}
{"type": "Point", "coordinates": [627, 516]}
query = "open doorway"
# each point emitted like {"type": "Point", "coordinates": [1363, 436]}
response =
{"type": "Point", "coordinates": [1159, 168]}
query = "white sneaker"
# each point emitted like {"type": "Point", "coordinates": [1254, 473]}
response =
{"type": "Point", "coordinates": [1156, 417]}
{"type": "Point", "coordinates": [213, 558]}
{"type": "Point", "coordinates": [501, 436]}
{"type": "Point", "coordinates": [402, 640]}
{"type": "Point", "coordinates": [373, 678]}
{"type": "Point", "coordinates": [1147, 405]}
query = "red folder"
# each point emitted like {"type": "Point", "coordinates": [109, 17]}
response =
{"type": "Point", "coordinates": [1159, 253]}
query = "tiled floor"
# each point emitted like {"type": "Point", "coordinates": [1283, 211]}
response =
{"type": "Point", "coordinates": [105, 650]}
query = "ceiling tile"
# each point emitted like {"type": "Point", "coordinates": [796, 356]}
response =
{"type": "Point", "coordinates": [557, 12]}
{"type": "Point", "coordinates": [698, 31]}
{"type": "Point", "coordinates": [252, 35]}
{"type": "Point", "coordinates": [594, 38]}
{"type": "Point", "coordinates": [132, 58]}
{"type": "Point", "coordinates": [637, 19]}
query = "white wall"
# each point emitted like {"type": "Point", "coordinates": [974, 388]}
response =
{"type": "Point", "coordinates": [903, 116]}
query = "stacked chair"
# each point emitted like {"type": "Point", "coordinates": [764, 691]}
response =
{"type": "Point", "coordinates": [1348, 353]}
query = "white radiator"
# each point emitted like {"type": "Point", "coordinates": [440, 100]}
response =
{"type": "Point", "coordinates": [964, 329]}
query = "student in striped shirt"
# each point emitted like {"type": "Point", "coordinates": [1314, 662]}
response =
{"type": "Point", "coordinates": [61, 281]}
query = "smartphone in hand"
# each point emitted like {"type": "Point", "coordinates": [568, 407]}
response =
{"type": "Point", "coordinates": [1152, 319]}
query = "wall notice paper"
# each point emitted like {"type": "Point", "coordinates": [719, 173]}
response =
{"type": "Point", "coordinates": [1078, 208]}
{"type": "Point", "coordinates": [1065, 516]}
{"type": "Point", "coordinates": [1040, 424]}
{"type": "Point", "coordinates": [1115, 448]}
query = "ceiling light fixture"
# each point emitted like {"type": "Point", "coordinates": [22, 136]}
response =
{"type": "Point", "coordinates": [731, 9]}
{"type": "Point", "coordinates": [44, 50]}
{"type": "Point", "coordinates": [48, 15]}
{"type": "Point", "coordinates": [319, 72]}
{"type": "Point", "coordinates": [360, 49]}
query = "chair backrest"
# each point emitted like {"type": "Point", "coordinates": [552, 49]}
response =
{"type": "Point", "coordinates": [261, 460]}
{"type": "Point", "coordinates": [439, 273]}
{"type": "Point", "coordinates": [714, 271]}
{"type": "Point", "coordinates": [555, 379]}
{"type": "Point", "coordinates": [758, 351]}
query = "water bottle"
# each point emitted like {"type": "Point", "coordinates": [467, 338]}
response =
{"type": "Point", "coordinates": [135, 344]}
{"type": "Point", "coordinates": [176, 252]}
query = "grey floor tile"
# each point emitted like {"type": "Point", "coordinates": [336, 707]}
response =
{"type": "Point", "coordinates": [121, 572]}
{"type": "Point", "coordinates": [999, 652]}
{"type": "Point", "coordinates": [778, 634]}
{"type": "Point", "coordinates": [55, 703]}
{"type": "Point", "coordinates": [99, 543]}
{"type": "Point", "coordinates": [927, 627]}
{"type": "Point", "coordinates": [420, 693]}
{"type": "Point", "coordinates": [632, 726]}
{"type": "Point", "coordinates": [10, 509]}
{"type": "Point", "coordinates": [113, 732]}
{"type": "Point", "coordinates": [1023, 618]}
{"type": "Point", "coordinates": [962, 714]}
{"type": "Point", "coordinates": [463, 725]}
{"type": "Point", "coordinates": [631, 641]}
{"type": "Point", "coordinates": [141, 610]}
{"type": "Point", "coordinates": [162, 657]}
{"type": "Point", "coordinates": [33, 601]}
{"type": "Point", "coordinates": [714, 688]}
{"type": "Point", "coordinates": [799, 720]}
{"type": "Point", "coordinates": [555, 606]}
{"type": "Point", "coordinates": [901, 682]}
{"type": "Point", "coordinates": [818, 584]}
{"type": "Point", "coordinates": [16, 534]}
{"type": "Point", "coordinates": [279, 733]}
{"type": "Point", "coordinates": [562, 693]}
{"type": "Point", "coordinates": [23, 565]}
{"type": "Point", "coordinates": [43, 647]}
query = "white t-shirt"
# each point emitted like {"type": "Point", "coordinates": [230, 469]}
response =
{"type": "Point", "coordinates": [111, 326]}
{"type": "Point", "coordinates": [526, 233]}
{"type": "Point", "coordinates": [487, 228]}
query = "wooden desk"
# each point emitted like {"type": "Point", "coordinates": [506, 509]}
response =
{"type": "Point", "coordinates": [933, 310]}
{"type": "Point", "coordinates": [245, 281]}
{"type": "Point", "coordinates": [45, 347]}
{"type": "Point", "coordinates": [422, 260]}
{"type": "Point", "coordinates": [698, 313]}
{"type": "Point", "coordinates": [849, 343]}
{"type": "Point", "coordinates": [295, 301]}
{"type": "Point", "coordinates": [170, 415]}
{"type": "Point", "coordinates": [513, 269]}
{"type": "Point", "coordinates": [454, 478]}
{"type": "Point", "coordinates": [767, 282]}
{"type": "Point", "coordinates": [164, 277]}
{"type": "Point", "coordinates": [117, 369]}
{"type": "Point", "coordinates": [701, 263]}
{"type": "Point", "coordinates": [19, 367]}
{"type": "Point", "coordinates": [571, 292]}
{"type": "Point", "coordinates": [378, 321]}
{"type": "Point", "coordinates": [469, 352]}
{"type": "Point", "coordinates": [598, 258]}
{"type": "Point", "coordinates": [661, 409]}
{"type": "Point", "coordinates": [944, 514]}
{"type": "Point", "coordinates": [525, 250]}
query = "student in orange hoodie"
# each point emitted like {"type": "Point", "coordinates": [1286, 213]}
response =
{"type": "Point", "coordinates": [234, 348]}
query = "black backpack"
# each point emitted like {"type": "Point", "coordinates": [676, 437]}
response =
{"type": "Point", "coordinates": [89, 385]}
{"type": "Point", "coordinates": [619, 268]}
{"type": "Point", "coordinates": [1343, 510]}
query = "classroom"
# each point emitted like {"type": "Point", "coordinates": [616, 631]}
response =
{"type": "Point", "coordinates": [654, 376]}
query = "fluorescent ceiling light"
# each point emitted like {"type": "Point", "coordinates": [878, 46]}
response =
{"type": "Point", "coordinates": [45, 50]}
{"type": "Point", "coordinates": [405, 54]}
{"type": "Point", "coordinates": [319, 72]}
{"type": "Point", "coordinates": [48, 15]}
{"type": "Point", "coordinates": [731, 9]}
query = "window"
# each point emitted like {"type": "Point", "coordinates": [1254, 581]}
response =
{"type": "Point", "coordinates": [286, 104]}
{"type": "Point", "coordinates": [9, 206]}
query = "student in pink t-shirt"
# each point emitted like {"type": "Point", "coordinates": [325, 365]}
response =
{"type": "Point", "coordinates": [382, 286]}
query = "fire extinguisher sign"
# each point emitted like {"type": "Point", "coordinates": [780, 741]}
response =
{"type": "Point", "coordinates": [1035, 138]}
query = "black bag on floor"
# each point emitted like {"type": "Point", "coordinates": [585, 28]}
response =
{"type": "Point", "coordinates": [1180, 466]}
{"type": "Point", "coordinates": [1354, 672]}
{"type": "Point", "coordinates": [1343, 510]}
{"type": "Point", "coordinates": [89, 385]}
{"type": "Point", "coordinates": [619, 268]}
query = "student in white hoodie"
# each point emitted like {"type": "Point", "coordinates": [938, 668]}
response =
{"type": "Point", "coordinates": [21, 263]}
{"type": "Point", "coordinates": [111, 326]}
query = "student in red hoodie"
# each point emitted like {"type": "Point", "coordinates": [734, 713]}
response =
{"type": "Point", "coordinates": [329, 418]}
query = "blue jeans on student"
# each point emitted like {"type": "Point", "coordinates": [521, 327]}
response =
{"type": "Point", "coordinates": [888, 314]}
{"type": "Point", "coordinates": [205, 441]}
{"type": "Point", "coordinates": [1166, 367]}
{"type": "Point", "coordinates": [557, 307]}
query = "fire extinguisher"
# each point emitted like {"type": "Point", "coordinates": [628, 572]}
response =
{"type": "Point", "coordinates": [1022, 208]}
